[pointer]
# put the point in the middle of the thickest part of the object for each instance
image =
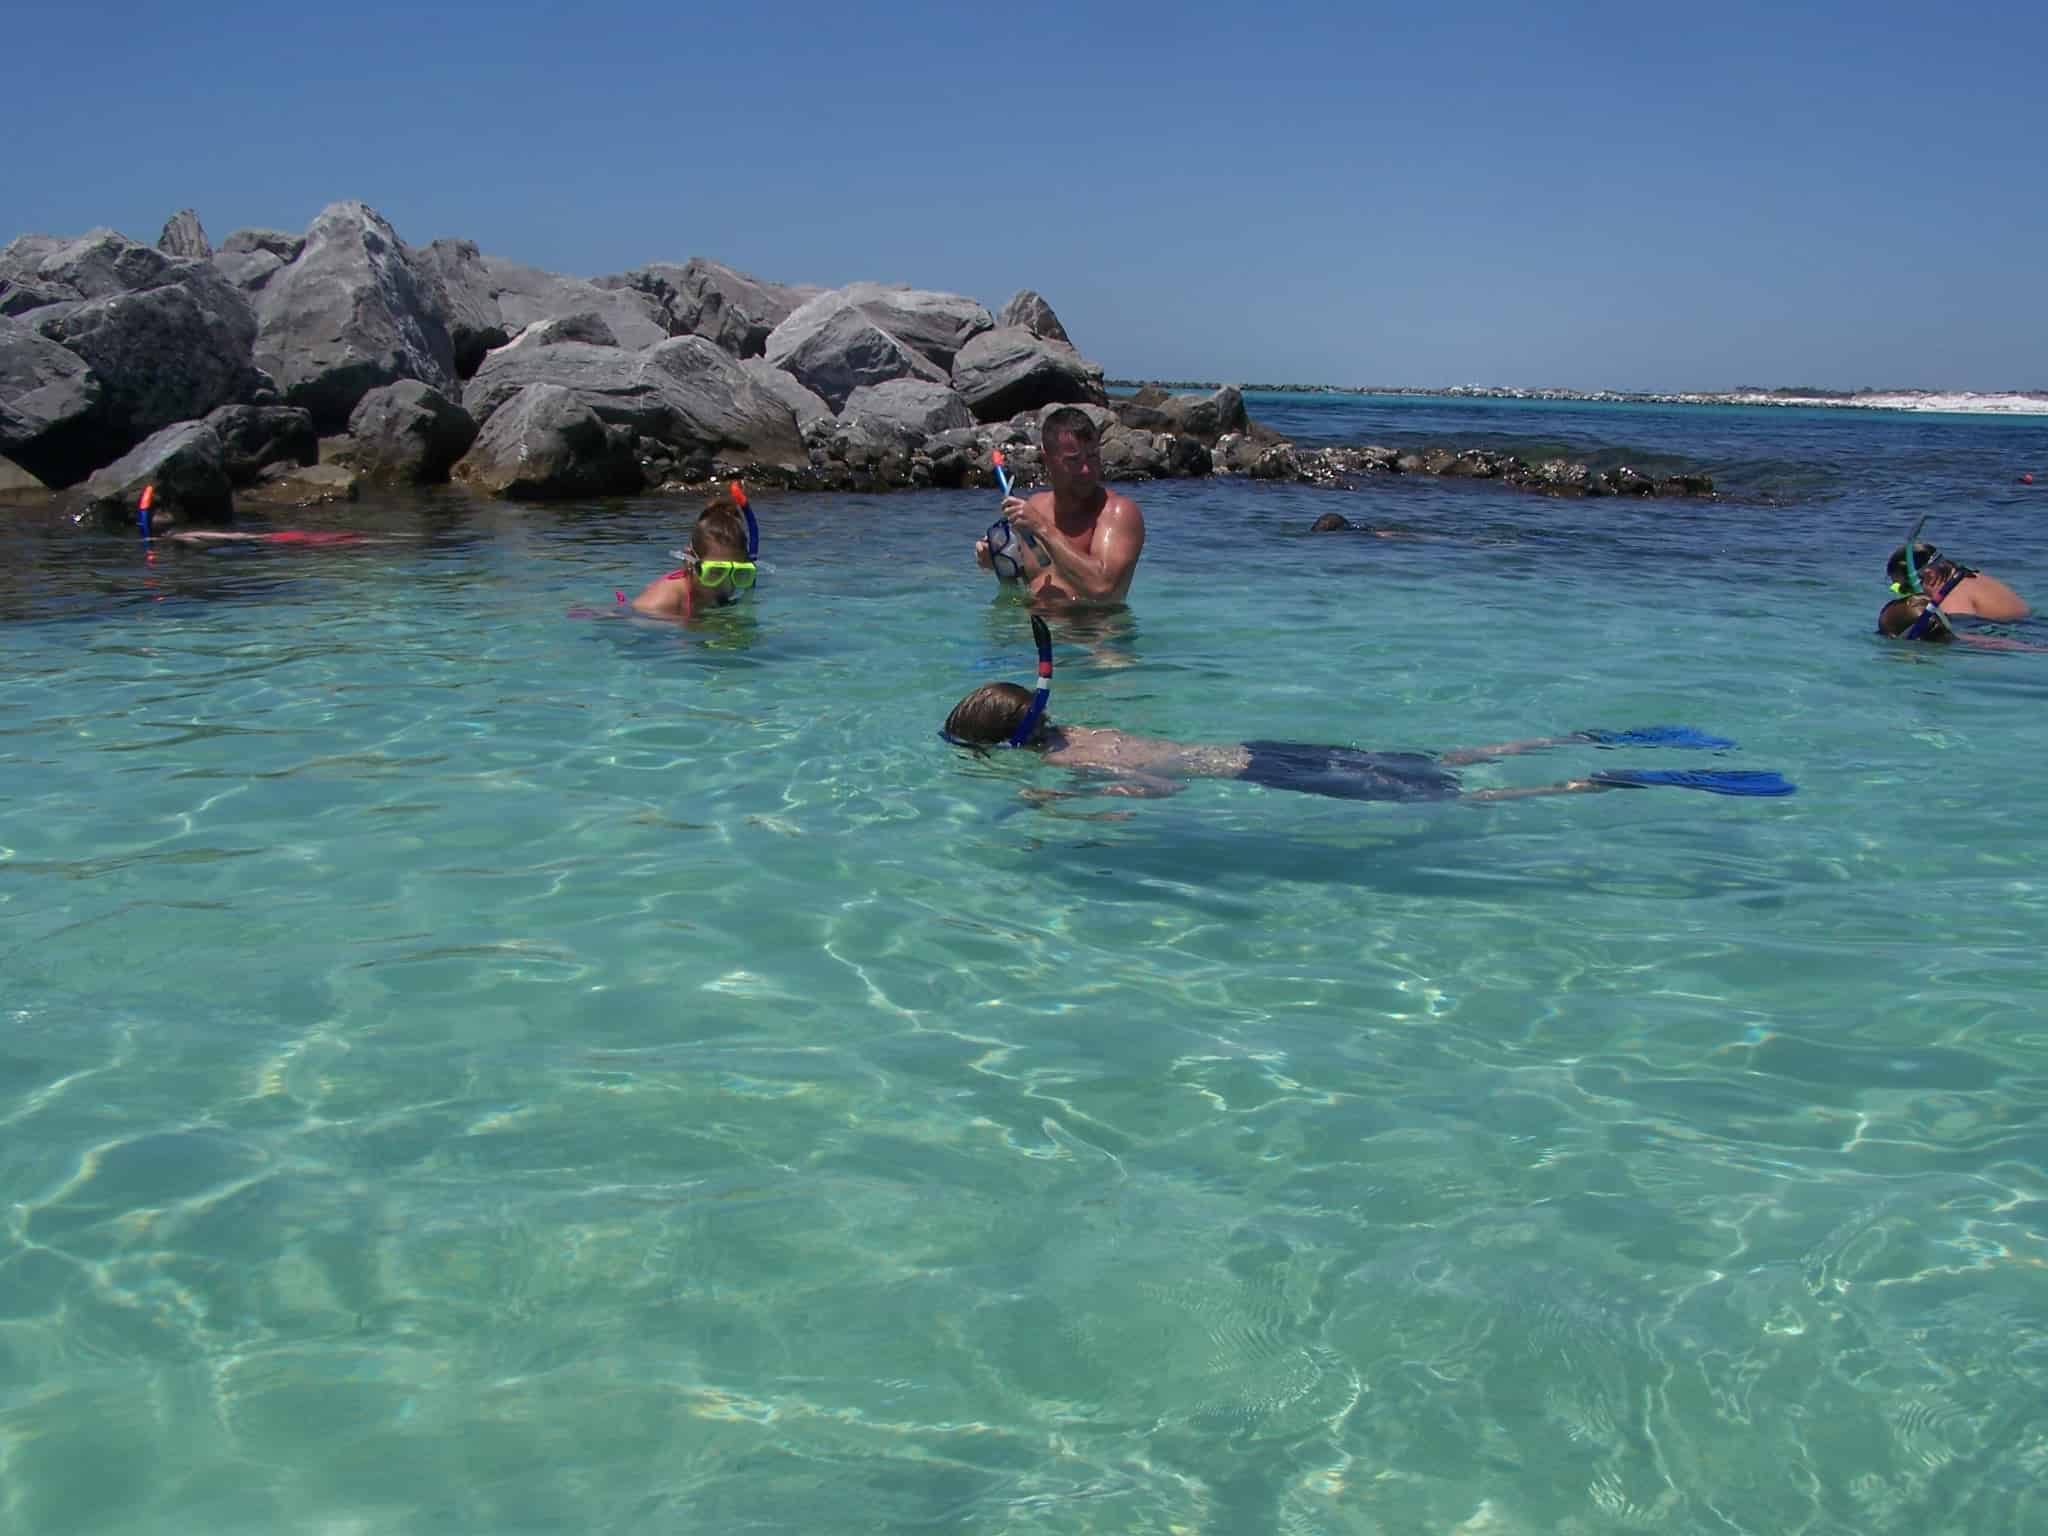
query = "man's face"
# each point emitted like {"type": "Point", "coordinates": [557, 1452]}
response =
{"type": "Point", "coordinates": [1071, 460]}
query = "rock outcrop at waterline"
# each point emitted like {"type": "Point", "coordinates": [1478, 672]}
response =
{"type": "Point", "coordinates": [399, 360]}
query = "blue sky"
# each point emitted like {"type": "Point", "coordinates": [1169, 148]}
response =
{"type": "Point", "coordinates": [1586, 195]}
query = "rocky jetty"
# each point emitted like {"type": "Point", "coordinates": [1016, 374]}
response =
{"type": "Point", "coordinates": [277, 365]}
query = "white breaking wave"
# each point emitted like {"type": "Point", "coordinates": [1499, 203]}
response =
{"type": "Point", "coordinates": [2016, 403]}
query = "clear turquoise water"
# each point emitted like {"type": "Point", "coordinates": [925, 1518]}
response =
{"type": "Point", "coordinates": [472, 1069]}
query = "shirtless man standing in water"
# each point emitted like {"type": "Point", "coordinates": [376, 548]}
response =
{"type": "Point", "coordinates": [1083, 538]}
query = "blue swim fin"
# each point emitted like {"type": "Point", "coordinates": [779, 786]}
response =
{"type": "Point", "coordinates": [1657, 736]}
{"type": "Point", "coordinates": [1715, 781]}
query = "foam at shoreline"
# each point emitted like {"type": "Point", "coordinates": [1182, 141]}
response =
{"type": "Point", "coordinates": [1987, 403]}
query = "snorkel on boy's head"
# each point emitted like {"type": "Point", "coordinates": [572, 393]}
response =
{"type": "Point", "coordinates": [1004, 714]}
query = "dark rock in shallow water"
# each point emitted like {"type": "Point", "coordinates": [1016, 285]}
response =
{"type": "Point", "coordinates": [349, 314]}
{"type": "Point", "coordinates": [1002, 372]}
{"type": "Point", "coordinates": [1277, 463]}
{"type": "Point", "coordinates": [302, 485]}
{"type": "Point", "coordinates": [185, 465]}
{"type": "Point", "coordinates": [49, 405]}
{"type": "Point", "coordinates": [255, 437]}
{"type": "Point", "coordinates": [1028, 310]}
{"type": "Point", "coordinates": [833, 347]}
{"type": "Point", "coordinates": [184, 236]}
{"type": "Point", "coordinates": [409, 433]}
{"type": "Point", "coordinates": [545, 444]}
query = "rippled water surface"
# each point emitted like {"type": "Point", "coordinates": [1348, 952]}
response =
{"type": "Point", "coordinates": [469, 1068]}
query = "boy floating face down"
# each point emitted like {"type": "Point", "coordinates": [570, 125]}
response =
{"type": "Point", "coordinates": [1005, 715]}
{"type": "Point", "coordinates": [716, 571]}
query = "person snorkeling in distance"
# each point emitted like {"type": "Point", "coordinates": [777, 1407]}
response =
{"type": "Point", "coordinates": [159, 527]}
{"type": "Point", "coordinates": [1962, 591]}
{"type": "Point", "coordinates": [999, 715]}
{"type": "Point", "coordinates": [719, 567]}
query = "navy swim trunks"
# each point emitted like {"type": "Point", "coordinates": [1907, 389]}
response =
{"type": "Point", "coordinates": [1345, 774]}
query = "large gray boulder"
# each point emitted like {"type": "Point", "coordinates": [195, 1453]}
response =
{"type": "Point", "coordinates": [708, 299]}
{"type": "Point", "coordinates": [586, 327]}
{"type": "Point", "coordinates": [833, 347]}
{"type": "Point", "coordinates": [544, 443]}
{"type": "Point", "coordinates": [1208, 417]}
{"type": "Point", "coordinates": [1028, 310]}
{"type": "Point", "coordinates": [348, 315]}
{"type": "Point", "coordinates": [935, 325]}
{"type": "Point", "coordinates": [686, 393]}
{"type": "Point", "coordinates": [185, 465]}
{"type": "Point", "coordinates": [909, 408]}
{"type": "Point", "coordinates": [250, 258]}
{"type": "Point", "coordinates": [248, 270]}
{"type": "Point", "coordinates": [1002, 372]}
{"type": "Point", "coordinates": [49, 405]}
{"type": "Point", "coordinates": [805, 406]}
{"type": "Point", "coordinates": [467, 297]}
{"type": "Point", "coordinates": [253, 438]}
{"type": "Point", "coordinates": [168, 353]}
{"type": "Point", "coordinates": [183, 235]}
{"type": "Point", "coordinates": [525, 294]}
{"type": "Point", "coordinates": [103, 264]}
{"type": "Point", "coordinates": [22, 257]}
{"type": "Point", "coordinates": [409, 433]}
{"type": "Point", "coordinates": [274, 242]}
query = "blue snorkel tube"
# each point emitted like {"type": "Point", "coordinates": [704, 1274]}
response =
{"type": "Point", "coordinates": [753, 528]}
{"type": "Point", "coordinates": [1021, 736]}
{"type": "Point", "coordinates": [1036, 712]}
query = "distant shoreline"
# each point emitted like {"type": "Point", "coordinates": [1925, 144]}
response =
{"type": "Point", "coordinates": [2027, 402]}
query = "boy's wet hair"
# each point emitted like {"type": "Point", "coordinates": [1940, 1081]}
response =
{"type": "Point", "coordinates": [1901, 613]}
{"type": "Point", "coordinates": [721, 531]}
{"type": "Point", "coordinates": [1074, 423]}
{"type": "Point", "coordinates": [989, 716]}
